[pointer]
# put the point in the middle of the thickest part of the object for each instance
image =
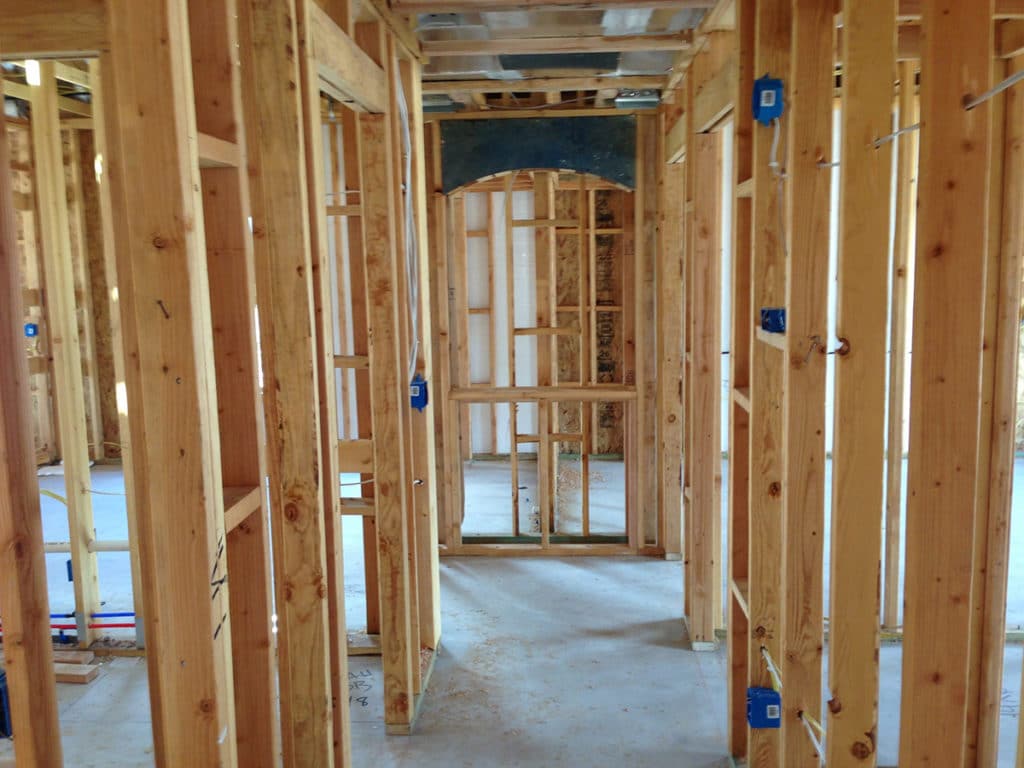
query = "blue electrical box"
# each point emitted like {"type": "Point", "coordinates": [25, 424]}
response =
{"type": "Point", "coordinates": [764, 708]}
{"type": "Point", "coordinates": [767, 99]}
{"type": "Point", "coordinates": [418, 397]}
{"type": "Point", "coordinates": [773, 319]}
{"type": "Point", "coordinates": [31, 330]}
{"type": "Point", "coordinates": [5, 709]}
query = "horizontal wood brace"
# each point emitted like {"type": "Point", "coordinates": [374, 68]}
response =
{"type": "Point", "coordinates": [239, 503]}
{"type": "Point", "coordinates": [217, 153]}
{"type": "Point", "coordinates": [590, 393]}
{"type": "Point", "coordinates": [355, 456]}
{"type": "Point", "coordinates": [344, 210]}
{"type": "Point", "coordinates": [546, 331]}
{"type": "Point", "coordinates": [352, 361]}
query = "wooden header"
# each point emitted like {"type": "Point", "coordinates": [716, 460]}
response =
{"type": "Point", "coordinates": [590, 394]}
{"type": "Point", "coordinates": [52, 28]}
{"type": "Point", "coordinates": [346, 72]}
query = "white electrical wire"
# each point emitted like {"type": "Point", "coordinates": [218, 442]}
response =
{"type": "Point", "coordinates": [780, 176]}
{"type": "Point", "coordinates": [411, 245]}
{"type": "Point", "coordinates": [819, 744]}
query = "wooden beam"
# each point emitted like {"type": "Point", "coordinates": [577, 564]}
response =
{"type": "Point", "coordinates": [1010, 39]}
{"type": "Point", "coordinates": [213, 27]}
{"type": "Point", "coordinates": [546, 84]}
{"type": "Point", "coordinates": [998, 417]}
{"type": "Point", "coordinates": [811, 84]}
{"type": "Point", "coordinates": [356, 456]}
{"type": "Point", "coordinates": [869, 70]}
{"type": "Point", "coordinates": [457, 6]}
{"type": "Point", "coordinates": [275, 148]}
{"type": "Point", "coordinates": [28, 652]}
{"type": "Point", "coordinates": [704, 409]}
{"type": "Point", "coordinates": [714, 98]}
{"type": "Point", "coordinates": [69, 387]}
{"type": "Point", "coordinates": [64, 104]}
{"type": "Point", "coordinates": [425, 447]}
{"type": "Point", "coordinates": [773, 24]}
{"type": "Point", "coordinates": [670, 357]}
{"type": "Point", "coordinates": [348, 74]}
{"type": "Point", "coordinates": [53, 28]}
{"type": "Point", "coordinates": [902, 269]}
{"type": "Point", "coordinates": [120, 340]}
{"type": "Point", "coordinates": [585, 44]}
{"type": "Point", "coordinates": [913, 10]}
{"type": "Point", "coordinates": [389, 389]}
{"type": "Point", "coordinates": [949, 297]}
{"type": "Point", "coordinates": [525, 114]}
{"type": "Point", "coordinates": [153, 173]}
{"type": "Point", "coordinates": [596, 393]}
{"type": "Point", "coordinates": [310, 60]}
{"type": "Point", "coordinates": [643, 297]}
{"type": "Point", "coordinates": [742, 323]}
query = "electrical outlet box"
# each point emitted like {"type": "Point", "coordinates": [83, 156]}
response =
{"type": "Point", "coordinates": [764, 708]}
{"type": "Point", "coordinates": [31, 330]}
{"type": "Point", "coordinates": [768, 101]}
{"type": "Point", "coordinates": [773, 319]}
{"type": "Point", "coordinates": [418, 396]}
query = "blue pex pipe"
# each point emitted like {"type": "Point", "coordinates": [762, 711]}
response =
{"type": "Point", "coordinates": [114, 615]}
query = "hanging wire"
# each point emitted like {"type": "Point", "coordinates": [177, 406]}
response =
{"type": "Point", "coordinates": [817, 739]}
{"type": "Point", "coordinates": [883, 140]}
{"type": "Point", "coordinates": [780, 175]}
{"type": "Point", "coordinates": [411, 244]}
{"type": "Point", "coordinates": [772, 669]}
{"type": "Point", "coordinates": [1007, 83]}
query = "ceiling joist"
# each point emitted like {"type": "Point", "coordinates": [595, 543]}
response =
{"type": "Point", "coordinates": [545, 84]}
{"type": "Point", "coordinates": [533, 45]}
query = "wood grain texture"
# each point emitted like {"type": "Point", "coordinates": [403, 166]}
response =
{"type": "Point", "coordinates": [28, 650]}
{"type": "Point", "coordinates": [153, 173]}
{"type": "Point", "coordinates": [49, 27]}
{"type": "Point", "coordinates": [901, 276]}
{"type": "Point", "coordinates": [808, 187]}
{"type": "Point", "coordinates": [670, 356]}
{"type": "Point", "coordinates": [773, 31]}
{"type": "Point", "coordinates": [69, 384]}
{"type": "Point", "coordinates": [869, 67]}
{"type": "Point", "coordinates": [704, 409]}
{"type": "Point", "coordinates": [739, 378]}
{"type": "Point", "coordinates": [949, 296]}
{"type": "Point", "coordinates": [388, 388]}
{"type": "Point", "coordinates": [231, 268]}
{"type": "Point", "coordinates": [998, 420]}
{"type": "Point", "coordinates": [273, 103]}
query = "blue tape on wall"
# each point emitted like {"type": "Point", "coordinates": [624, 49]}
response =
{"type": "Point", "coordinates": [602, 146]}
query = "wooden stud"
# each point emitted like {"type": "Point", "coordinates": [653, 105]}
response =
{"type": "Point", "coordinates": [428, 491]}
{"type": "Point", "coordinates": [389, 396]}
{"type": "Point", "coordinates": [704, 408]}
{"type": "Point", "coordinates": [153, 172]}
{"type": "Point", "coordinates": [869, 67]}
{"type": "Point", "coordinates": [902, 270]}
{"type": "Point", "coordinates": [360, 346]}
{"type": "Point", "coordinates": [811, 85]}
{"type": "Point", "coordinates": [771, 54]}
{"type": "Point", "coordinates": [948, 323]}
{"type": "Point", "coordinates": [670, 358]}
{"type": "Point", "coordinates": [120, 340]}
{"type": "Point", "coordinates": [741, 324]}
{"type": "Point", "coordinates": [460, 278]}
{"type": "Point", "coordinates": [644, 296]}
{"type": "Point", "coordinates": [999, 410]}
{"type": "Point", "coordinates": [65, 345]}
{"type": "Point", "coordinates": [291, 358]}
{"type": "Point", "coordinates": [310, 26]}
{"type": "Point", "coordinates": [28, 650]}
{"type": "Point", "coordinates": [229, 261]}
{"type": "Point", "coordinates": [83, 311]}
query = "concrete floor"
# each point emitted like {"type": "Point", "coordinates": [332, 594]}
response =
{"type": "Point", "coordinates": [541, 659]}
